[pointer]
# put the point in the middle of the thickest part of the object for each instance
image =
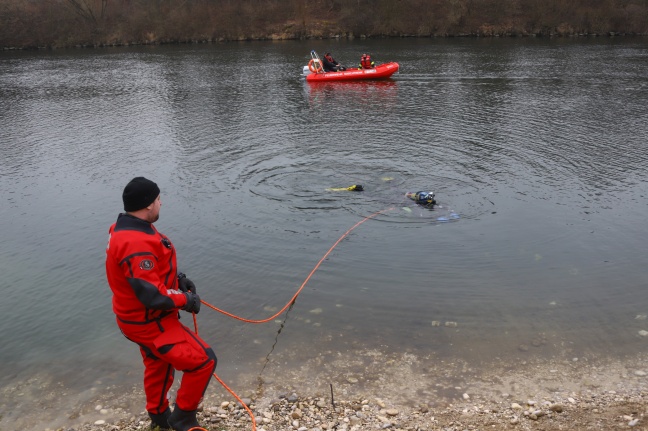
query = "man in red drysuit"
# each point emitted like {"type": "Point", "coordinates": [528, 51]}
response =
{"type": "Point", "coordinates": [148, 293]}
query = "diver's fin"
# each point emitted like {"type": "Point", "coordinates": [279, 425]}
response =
{"type": "Point", "coordinates": [353, 188]}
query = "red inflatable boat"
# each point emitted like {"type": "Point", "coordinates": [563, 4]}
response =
{"type": "Point", "coordinates": [382, 71]}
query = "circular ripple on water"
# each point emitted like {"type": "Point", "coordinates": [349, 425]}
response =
{"type": "Point", "coordinates": [311, 188]}
{"type": "Point", "coordinates": [456, 200]}
{"type": "Point", "coordinates": [299, 186]}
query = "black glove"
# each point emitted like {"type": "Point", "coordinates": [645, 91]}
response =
{"type": "Point", "coordinates": [193, 303]}
{"type": "Point", "coordinates": [185, 284]}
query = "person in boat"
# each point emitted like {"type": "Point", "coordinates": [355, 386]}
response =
{"type": "Point", "coordinates": [330, 64]}
{"type": "Point", "coordinates": [148, 294]}
{"type": "Point", "coordinates": [425, 199]}
{"type": "Point", "coordinates": [366, 62]}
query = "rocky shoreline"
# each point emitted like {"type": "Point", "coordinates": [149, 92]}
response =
{"type": "Point", "coordinates": [570, 394]}
{"type": "Point", "coordinates": [609, 411]}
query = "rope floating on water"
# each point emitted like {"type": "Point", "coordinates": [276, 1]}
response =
{"type": "Point", "coordinates": [292, 301]}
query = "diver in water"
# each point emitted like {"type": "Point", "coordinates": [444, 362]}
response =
{"type": "Point", "coordinates": [425, 199]}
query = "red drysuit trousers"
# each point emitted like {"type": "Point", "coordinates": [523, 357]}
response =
{"type": "Point", "coordinates": [167, 346]}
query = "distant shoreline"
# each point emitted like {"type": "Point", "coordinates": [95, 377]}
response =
{"type": "Point", "coordinates": [277, 39]}
{"type": "Point", "coordinates": [98, 23]}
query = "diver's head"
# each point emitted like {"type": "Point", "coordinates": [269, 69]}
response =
{"type": "Point", "coordinates": [422, 198]}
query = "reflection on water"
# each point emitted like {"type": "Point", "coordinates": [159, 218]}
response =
{"type": "Point", "coordinates": [380, 94]}
{"type": "Point", "coordinates": [535, 150]}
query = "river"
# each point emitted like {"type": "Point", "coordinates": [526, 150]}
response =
{"type": "Point", "coordinates": [536, 150]}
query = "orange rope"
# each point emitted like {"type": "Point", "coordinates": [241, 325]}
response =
{"type": "Point", "coordinates": [305, 281]}
{"type": "Point", "coordinates": [199, 428]}
{"type": "Point", "coordinates": [292, 300]}
{"type": "Point", "coordinates": [239, 400]}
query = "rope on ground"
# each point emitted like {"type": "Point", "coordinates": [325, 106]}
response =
{"type": "Point", "coordinates": [239, 400]}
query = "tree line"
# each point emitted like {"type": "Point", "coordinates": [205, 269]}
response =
{"type": "Point", "coordinates": [67, 23]}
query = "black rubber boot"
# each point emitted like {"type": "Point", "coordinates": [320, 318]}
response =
{"type": "Point", "coordinates": [183, 420]}
{"type": "Point", "coordinates": [161, 421]}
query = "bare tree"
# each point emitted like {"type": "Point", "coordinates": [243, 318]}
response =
{"type": "Point", "coordinates": [86, 10]}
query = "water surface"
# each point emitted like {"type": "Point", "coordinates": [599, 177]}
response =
{"type": "Point", "coordinates": [536, 150]}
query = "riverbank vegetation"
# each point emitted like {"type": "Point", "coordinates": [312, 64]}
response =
{"type": "Point", "coordinates": [66, 23]}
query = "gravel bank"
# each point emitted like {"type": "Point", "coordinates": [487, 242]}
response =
{"type": "Point", "coordinates": [403, 392]}
{"type": "Point", "coordinates": [607, 411]}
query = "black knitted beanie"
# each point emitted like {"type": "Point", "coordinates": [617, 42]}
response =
{"type": "Point", "coordinates": [139, 193]}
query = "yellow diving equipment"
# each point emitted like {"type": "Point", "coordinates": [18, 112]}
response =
{"type": "Point", "coordinates": [353, 188]}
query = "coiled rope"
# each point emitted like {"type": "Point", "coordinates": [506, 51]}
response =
{"type": "Point", "coordinates": [292, 300]}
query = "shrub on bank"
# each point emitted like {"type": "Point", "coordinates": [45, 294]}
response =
{"type": "Point", "coordinates": [64, 23]}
